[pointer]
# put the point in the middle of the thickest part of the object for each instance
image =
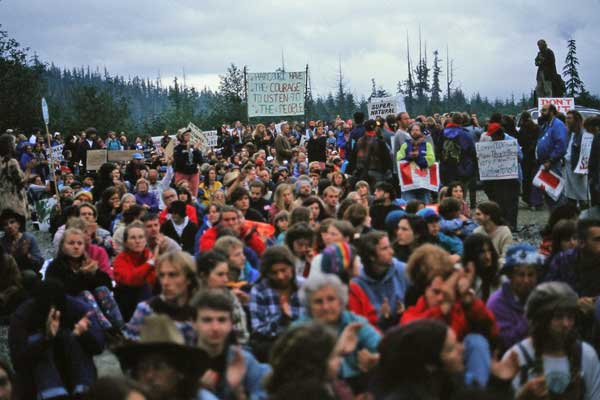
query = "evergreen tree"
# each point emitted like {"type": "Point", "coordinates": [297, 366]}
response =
{"type": "Point", "coordinates": [574, 85]}
{"type": "Point", "coordinates": [436, 89]}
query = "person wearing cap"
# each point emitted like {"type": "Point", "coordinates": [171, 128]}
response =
{"type": "Point", "coordinates": [551, 362]}
{"type": "Point", "coordinates": [133, 171]}
{"type": "Point", "coordinates": [522, 266]}
{"type": "Point", "coordinates": [451, 244]}
{"type": "Point", "coordinates": [162, 361]}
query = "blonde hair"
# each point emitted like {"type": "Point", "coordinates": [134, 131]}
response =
{"type": "Point", "coordinates": [427, 262]}
{"type": "Point", "coordinates": [185, 263]}
{"type": "Point", "coordinates": [225, 243]}
{"type": "Point", "coordinates": [278, 197]}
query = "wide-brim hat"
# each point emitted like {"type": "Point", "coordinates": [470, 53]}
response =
{"type": "Point", "coordinates": [159, 335]}
{"type": "Point", "coordinates": [230, 177]}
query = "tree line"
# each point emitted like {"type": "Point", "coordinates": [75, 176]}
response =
{"type": "Point", "coordinates": [81, 97]}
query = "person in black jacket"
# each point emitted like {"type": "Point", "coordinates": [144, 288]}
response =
{"type": "Point", "coordinates": [187, 157]}
{"type": "Point", "coordinates": [52, 339]}
{"type": "Point", "coordinates": [317, 146]}
{"type": "Point", "coordinates": [240, 199]}
{"type": "Point", "coordinates": [82, 278]}
{"type": "Point", "coordinates": [179, 227]}
{"type": "Point", "coordinates": [371, 160]}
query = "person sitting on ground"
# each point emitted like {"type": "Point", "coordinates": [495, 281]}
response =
{"type": "Point", "coordinates": [52, 338]}
{"type": "Point", "coordinates": [299, 239]}
{"type": "Point", "coordinates": [274, 301]}
{"type": "Point", "coordinates": [240, 199]}
{"type": "Point", "coordinates": [481, 258]}
{"type": "Point", "coordinates": [551, 362]}
{"type": "Point", "coordinates": [457, 191]}
{"type": "Point", "coordinates": [169, 196]}
{"type": "Point", "coordinates": [382, 277]}
{"type": "Point", "coordinates": [325, 298]}
{"type": "Point", "coordinates": [452, 221]}
{"type": "Point", "coordinates": [84, 280]}
{"type": "Point", "coordinates": [22, 246]}
{"type": "Point", "coordinates": [179, 227]}
{"type": "Point", "coordinates": [382, 204]}
{"type": "Point", "coordinates": [134, 212]}
{"type": "Point", "coordinates": [176, 274]}
{"type": "Point", "coordinates": [406, 232]}
{"type": "Point", "coordinates": [144, 197]}
{"type": "Point", "coordinates": [451, 244]}
{"type": "Point", "coordinates": [213, 273]}
{"type": "Point", "coordinates": [522, 267]}
{"type": "Point", "coordinates": [12, 292]}
{"type": "Point", "coordinates": [489, 218]}
{"type": "Point", "coordinates": [241, 272]}
{"type": "Point", "coordinates": [448, 297]}
{"type": "Point", "coordinates": [232, 371]}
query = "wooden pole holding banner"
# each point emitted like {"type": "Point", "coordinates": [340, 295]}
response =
{"type": "Point", "coordinates": [246, 95]}
{"type": "Point", "coordinates": [306, 89]}
{"type": "Point", "coordinates": [46, 116]}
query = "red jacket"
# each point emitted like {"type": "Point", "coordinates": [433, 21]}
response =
{"type": "Point", "coordinates": [476, 318]}
{"type": "Point", "coordinates": [190, 211]}
{"type": "Point", "coordinates": [359, 303]}
{"type": "Point", "coordinates": [249, 237]}
{"type": "Point", "coordinates": [133, 270]}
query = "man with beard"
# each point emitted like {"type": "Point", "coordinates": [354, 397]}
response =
{"type": "Point", "coordinates": [257, 200]}
{"type": "Point", "coordinates": [303, 190]}
{"type": "Point", "coordinates": [274, 301]}
{"type": "Point", "coordinates": [552, 145]}
{"type": "Point", "coordinates": [551, 362]}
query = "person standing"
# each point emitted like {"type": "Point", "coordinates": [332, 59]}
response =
{"type": "Point", "coordinates": [576, 184]}
{"type": "Point", "coordinates": [552, 146]}
{"type": "Point", "coordinates": [282, 145]}
{"type": "Point", "coordinates": [546, 72]}
{"type": "Point", "coordinates": [529, 132]}
{"type": "Point", "coordinates": [187, 158]}
{"type": "Point", "coordinates": [12, 181]}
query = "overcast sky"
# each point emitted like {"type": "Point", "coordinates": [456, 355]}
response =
{"type": "Point", "coordinates": [492, 43]}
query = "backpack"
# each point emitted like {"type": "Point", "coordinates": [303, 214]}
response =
{"type": "Point", "coordinates": [576, 387]}
{"type": "Point", "coordinates": [451, 152]}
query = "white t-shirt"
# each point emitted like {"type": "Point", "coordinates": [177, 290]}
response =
{"type": "Point", "coordinates": [557, 372]}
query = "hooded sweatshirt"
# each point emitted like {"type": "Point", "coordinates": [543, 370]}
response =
{"type": "Point", "coordinates": [392, 286]}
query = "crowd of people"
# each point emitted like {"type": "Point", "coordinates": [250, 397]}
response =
{"type": "Point", "coordinates": [288, 263]}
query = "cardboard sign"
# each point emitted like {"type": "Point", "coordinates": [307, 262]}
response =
{"type": "Point", "coordinates": [562, 104]}
{"type": "Point", "coordinates": [95, 158]}
{"type": "Point", "coordinates": [384, 106]}
{"type": "Point", "coordinates": [498, 160]}
{"type": "Point", "coordinates": [170, 148]}
{"type": "Point", "coordinates": [549, 182]}
{"type": "Point", "coordinates": [584, 153]}
{"type": "Point", "coordinates": [273, 94]}
{"type": "Point", "coordinates": [122, 155]}
{"type": "Point", "coordinates": [412, 177]}
{"type": "Point", "coordinates": [211, 138]}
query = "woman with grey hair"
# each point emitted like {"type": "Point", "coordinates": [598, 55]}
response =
{"type": "Point", "coordinates": [325, 297]}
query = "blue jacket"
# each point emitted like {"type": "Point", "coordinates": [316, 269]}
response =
{"type": "Point", "coordinates": [393, 286]}
{"type": "Point", "coordinates": [451, 244]}
{"type": "Point", "coordinates": [510, 316]}
{"type": "Point", "coordinates": [466, 166]}
{"type": "Point", "coordinates": [252, 381]}
{"type": "Point", "coordinates": [552, 146]}
{"type": "Point", "coordinates": [368, 338]}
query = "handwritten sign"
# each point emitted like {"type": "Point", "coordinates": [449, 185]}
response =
{"type": "Point", "coordinates": [562, 104]}
{"type": "Point", "coordinates": [412, 177]}
{"type": "Point", "coordinates": [498, 160]}
{"type": "Point", "coordinates": [584, 153]}
{"type": "Point", "coordinates": [56, 152]}
{"type": "Point", "coordinates": [211, 138]}
{"type": "Point", "coordinates": [276, 93]}
{"type": "Point", "coordinates": [122, 155]}
{"type": "Point", "coordinates": [384, 106]}
{"type": "Point", "coordinates": [95, 158]}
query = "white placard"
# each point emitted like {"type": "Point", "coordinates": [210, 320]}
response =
{"type": "Point", "coordinates": [562, 104]}
{"type": "Point", "coordinates": [273, 94]}
{"type": "Point", "coordinates": [45, 113]}
{"type": "Point", "coordinates": [584, 153]}
{"type": "Point", "coordinates": [498, 160]}
{"type": "Point", "coordinates": [384, 106]}
{"type": "Point", "coordinates": [412, 177]}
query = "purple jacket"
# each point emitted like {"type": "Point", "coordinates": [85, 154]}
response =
{"type": "Point", "coordinates": [510, 316]}
{"type": "Point", "coordinates": [149, 199]}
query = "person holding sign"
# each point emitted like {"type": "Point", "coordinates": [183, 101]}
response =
{"type": "Point", "coordinates": [187, 158]}
{"type": "Point", "coordinates": [421, 156]}
{"type": "Point", "coordinates": [551, 146]}
{"type": "Point", "coordinates": [592, 125]}
{"type": "Point", "coordinates": [576, 159]}
{"type": "Point", "coordinates": [505, 192]}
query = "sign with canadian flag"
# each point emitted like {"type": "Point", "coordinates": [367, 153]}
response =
{"type": "Point", "coordinates": [413, 177]}
{"type": "Point", "coordinates": [549, 182]}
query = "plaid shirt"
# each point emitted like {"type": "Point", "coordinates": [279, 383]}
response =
{"type": "Point", "coordinates": [265, 310]}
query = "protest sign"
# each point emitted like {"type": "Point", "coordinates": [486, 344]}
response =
{"type": "Point", "coordinates": [94, 159]}
{"type": "Point", "coordinates": [384, 106]}
{"type": "Point", "coordinates": [412, 177]}
{"type": "Point", "coordinates": [498, 160]}
{"type": "Point", "coordinates": [275, 93]}
{"type": "Point", "coordinates": [45, 113]}
{"type": "Point", "coordinates": [549, 182]}
{"type": "Point", "coordinates": [56, 153]}
{"type": "Point", "coordinates": [562, 104]}
{"type": "Point", "coordinates": [211, 138]}
{"type": "Point", "coordinates": [584, 153]}
{"type": "Point", "coordinates": [169, 149]}
{"type": "Point", "coordinates": [122, 155]}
